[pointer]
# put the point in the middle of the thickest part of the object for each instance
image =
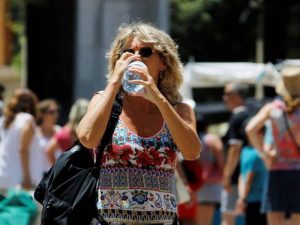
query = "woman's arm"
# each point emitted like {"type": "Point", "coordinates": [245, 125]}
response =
{"type": "Point", "coordinates": [245, 188]}
{"type": "Point", "coordinates": [26, 138]}
{"type": "Point", "coordinates": [181, 122]}
{"type": "Point", "coordinates": [51, 148]}
{"type": "Point", "coordinates": [92, 126]}
{"type": "Point", "coordinates": [255, 125]}
{"type": "Point", "coordinates": [180, 119]}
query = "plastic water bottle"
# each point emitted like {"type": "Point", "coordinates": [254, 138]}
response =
{"type": "Point", "coordinates": [129, 75]}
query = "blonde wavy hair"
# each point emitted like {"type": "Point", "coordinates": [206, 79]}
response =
{"type": "Point", "coordinates": [292, 103]}
{"type": "Point", "coordinates": [77, 111]}
{"type": "Point", "coordinates": [171, 78]}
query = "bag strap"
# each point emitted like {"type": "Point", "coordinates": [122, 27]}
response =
{"type": "Point", "coordinates": [111, 125]}
{"type": "Point", "coordinates": [290, 131]}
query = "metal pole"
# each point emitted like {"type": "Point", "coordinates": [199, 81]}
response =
{"type": "Point", "coordinates": [259, 91]}
{"type": "Point", "coordinates": [260, 33]}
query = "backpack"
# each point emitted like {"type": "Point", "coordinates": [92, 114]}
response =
{"type": "Point", "coordinates": [68, 190]}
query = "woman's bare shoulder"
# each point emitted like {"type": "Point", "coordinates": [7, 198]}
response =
{"type": "Point", "coordinates": [183, 108]}
{"type": "Point", "coordinates": [185, 111]}
{"type": "Point", "coordinates": [95, 98]}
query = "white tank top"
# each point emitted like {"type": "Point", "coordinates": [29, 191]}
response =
{"type": "Point", "coordinates": [10, 160]}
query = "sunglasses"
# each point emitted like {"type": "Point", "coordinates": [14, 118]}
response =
{"type": "Point", "coordinates": [144, 52]}
{"type": "Point", "coordinates": [51, 112]}
{"type": "Point", "coordinates": [230, 93]}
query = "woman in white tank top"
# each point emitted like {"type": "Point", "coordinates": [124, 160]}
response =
{"type": "Point", "coordinates": [16, 131]}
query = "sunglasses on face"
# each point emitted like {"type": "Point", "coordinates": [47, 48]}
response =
{"type": "Point", "coordinates": [144, 52]}
{"type": "Point", "coordinates": [230, 93]}
{"type": "Point", "coordinates": [51, 112]}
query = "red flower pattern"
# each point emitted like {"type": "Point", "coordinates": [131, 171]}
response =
{"type": "Point", "coordinates": [149, 156]}
{"type": "Point", "coordinates": [143, 157]}
{"type": "Point", "coordinates": [156, 158]}
{"type": "Point", "coordinates": [120, 154]}
{"type": "Point", "coordinates": [171, 156]}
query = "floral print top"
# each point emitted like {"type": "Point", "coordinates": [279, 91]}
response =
{"type": "Point", "coordinates": [288, 156]}
{"type": "Point", "coordinates": [136, 183]}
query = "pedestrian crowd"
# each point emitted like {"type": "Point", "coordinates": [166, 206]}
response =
{"type": "Point", "coordinates": [31, 139]}
{"type": "Point", "coordinates": [259, 161]}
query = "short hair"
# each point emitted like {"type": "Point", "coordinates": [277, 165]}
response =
{"type": "Point", "coordinates": [171, 78]}
{"type": "Point", "coordinates": [240, 89]}
{"type": "Point", "coordinates": [45, 104]}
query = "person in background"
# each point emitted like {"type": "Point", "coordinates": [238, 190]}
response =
{"type": "Point", "coordinates": [137, 168]}
{"type": "Point", "coordinates": [16, 132]}
{"type": "Point", "coordinates": [45, 130]}
{"type": "Point", "coordinates": [235, 138]}
{"type": "Point", "coordinates": [212, 161]}
{"type": "Point", "coordinates": [252, 179]}
{"type": "Point", "coordinates": [65, 137]}
{"type": "Point", "coordinates": [283, 195]}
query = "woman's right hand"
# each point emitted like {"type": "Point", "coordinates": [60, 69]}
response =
{"type": "Point", "coordinates": [121, 65]}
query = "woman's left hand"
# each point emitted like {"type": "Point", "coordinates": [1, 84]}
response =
{"type": "Point", "coordinates": [151, 91]}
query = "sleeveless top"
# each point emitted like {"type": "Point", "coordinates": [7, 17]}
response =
{"type": "Point", "coordinates": [288, 155]}
{"type": "Point", "coordinates": [10, 144]}
{"type": "Point", "coordinates": [39, 163]}
{"type": "Point", "coordinates": [64, 138]}
{"type": "Point", "coordinates": [136, 183]}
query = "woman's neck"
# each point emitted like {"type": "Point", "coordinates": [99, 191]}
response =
{"type": "Point", "coordinates": [139, 104]}
{"type": "Point", "coordinates": [47, 129]}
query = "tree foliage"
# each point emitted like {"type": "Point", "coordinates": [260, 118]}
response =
{"type": "Point", "coordinates": [214, 30]}
{"type": "Point", "coordinates": [17, 19]}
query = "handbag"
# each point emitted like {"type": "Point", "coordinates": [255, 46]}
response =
{"type": "Point", "coordinates": [193, 172]}
{"type": "Point", "coordinates": [68, 190]}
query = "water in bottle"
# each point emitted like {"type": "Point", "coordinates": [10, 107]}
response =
{"type": "Point", "coordinates": [129, 75]}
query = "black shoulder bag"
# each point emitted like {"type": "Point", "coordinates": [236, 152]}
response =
{"type": "Point", "coordinates": [68, 190]}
